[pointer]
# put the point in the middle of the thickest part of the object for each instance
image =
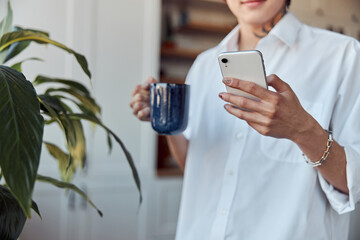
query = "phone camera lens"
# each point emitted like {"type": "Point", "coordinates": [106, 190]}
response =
{"type": "Point", "coordinates": [224, 60]}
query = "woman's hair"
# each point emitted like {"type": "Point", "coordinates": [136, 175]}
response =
{"type": "Point", "coordinates": [288, 2]}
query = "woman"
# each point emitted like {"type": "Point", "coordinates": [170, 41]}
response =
{"type": "Point", "coordinates": [245, 175]}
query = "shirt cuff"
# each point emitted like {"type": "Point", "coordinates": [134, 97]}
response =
{"type": "Point", "coordinates": [341, 202]}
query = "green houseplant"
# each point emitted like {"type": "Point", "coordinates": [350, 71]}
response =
{"type": "Point", "coordinates": [23, 115]}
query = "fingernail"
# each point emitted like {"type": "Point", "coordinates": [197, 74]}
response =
{"type": "Point", "coordinates": [221, 95]}
{"type": "Point", "coordinates": [226, 106]}
{"type": "Point", "coordinates": [226, 81]}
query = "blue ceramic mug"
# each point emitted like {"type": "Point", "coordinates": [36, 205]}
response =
{"type": "Point", "coordinates": [169, 107]}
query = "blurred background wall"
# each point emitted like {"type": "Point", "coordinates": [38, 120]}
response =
{"type": "Point", "coordinates": [122, 42]}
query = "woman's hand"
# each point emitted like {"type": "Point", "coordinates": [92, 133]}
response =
{"type": "Point", "coordinates": [140, 101]}
{"type": "Point", "coordinates": [278, 114]}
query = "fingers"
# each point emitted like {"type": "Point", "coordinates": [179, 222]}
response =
{"type": "Point", "coordinates": [151, 80]}
{"type": "Point", "coordinates": [277, 83]}
{"type": "Point", "coordinates": [265, 108]}
{"type": "Point", "coordinates": [242, 102]}
{"type": "Point", "coordinates": [136, 90]}
{"type": "Point", "coordinates": [140, 100]}
{"type": "Point", "coordinates": [141, 92]}
{"type": "Point", "coordinates": [270, 101]}
{"type": "Point", "coordinates": [249, 87]}
{"type": "Point", "coordinates": [260, 123]}
{"type": "Point", "coordinates": [139, 106]}
{"type": "Point", "coordinates": [278, 114]}
{"type": "Point", "coordinates": [143, 97]}
{"type": "Point", "coordinates": [144, 114]}
{"type": "Point", "coordinates": [141, 110]}
{"type": "Point", "coordinates": [256, 90]}
{"type": "Point", "coordinates": [252, 117]}
{"type": "Point", "coordinates": [148, 82]}
{"type": "Point", "coordinates": [145, 86]}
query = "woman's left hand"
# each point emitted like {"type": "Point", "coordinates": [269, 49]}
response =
{"type": "Point", "coordinates": [278, 114]}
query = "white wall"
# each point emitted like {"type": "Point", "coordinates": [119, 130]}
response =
{"type": "Point", "coordinates": [110, 33]}
{"type": "Point", "coordinates": [344, 14]}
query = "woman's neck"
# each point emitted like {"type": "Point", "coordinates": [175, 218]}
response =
{"type": "Point", "coordinates": [251, 34]}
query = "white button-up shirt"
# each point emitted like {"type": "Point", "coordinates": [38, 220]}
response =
{"type": "Point", "coordinates": [239, 184]}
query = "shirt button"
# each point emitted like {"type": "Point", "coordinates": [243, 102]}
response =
{"type": "Point", "coordinates": [231, 173]}
{"type": "Point", "coordinates": [239, 135]}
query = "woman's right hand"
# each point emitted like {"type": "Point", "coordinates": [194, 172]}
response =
{"type": "Point", "coordinates": [140, 101]}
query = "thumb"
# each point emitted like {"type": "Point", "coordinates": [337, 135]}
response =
{"type": "Point", "coordinates": [146, 84]}
{"type": "Point", "coordinates": [278, 84]}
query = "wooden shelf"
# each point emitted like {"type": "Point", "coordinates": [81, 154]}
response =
{"type": "Point", "coordinates": [179, 53]}
{"type": "Point", "coordinates": [165, 166]}
{"type": "Point", "coordinates": [167, 79]}
{"type": "Point", "coordinates": [201, 28]}
{"type": "Point", "coordinates": [169, 172]}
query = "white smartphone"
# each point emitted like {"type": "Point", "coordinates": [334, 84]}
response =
{"type": "Point", "coordinates": [243, 65]}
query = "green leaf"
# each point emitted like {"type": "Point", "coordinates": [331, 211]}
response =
{"type": "Point", "coordinates": [87, 101]}
{"type": "Point", "coordinates": [18, 47]}
{"type": "Point", "coordinates": [70, 186]}
{"type": "Point", "coordinates": [73, 130]}
{"type": "Point", "coordinates": [17, 66]}
{"type": "Point", "coordinates": [78, 149]}
{"type": "Point", "coordinates": [77, 143]}
{"type": "Point", "coordinates": [117, 139]}
{"type": "Point", "coordinates": [21, 132]}
{"type": "Point", "coordinates": [13, 37]}
{"type": "Point", "coordinates": [109, 142]}
{"type": "Point", "coordinates": [72, 84]}
{"type": "Point", "coordinates": [15, 49]}
{"type": "Point", "coordinates": [5, 27]}
{"type": "Point", "coordinates": [5, 24]}
{"type": "Point", "coordinates": [18, 28]}
{"type": "Point", "coordinates": [35, 207]}
{"type": "Point", "coordinates": [52, 102]}
{"type": "Point", "coordinates": [63, 160]}
{"type": "Point", "coordinates": [81, 107]}
{"type": "Point", "coordinates": [53, 107]}
{"type": "Point", "coordinates": [12, 217]}
{"type": "Point", "coordinates": [65, 106]}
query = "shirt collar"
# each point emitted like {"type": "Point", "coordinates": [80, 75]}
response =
{"type": "Point", "coordinates": [286, 30]}
{"type": "Point", "coordinates": [230, 42]}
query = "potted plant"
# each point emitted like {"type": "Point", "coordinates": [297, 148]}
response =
{"type": "Point", "coordinates": [23, 115]}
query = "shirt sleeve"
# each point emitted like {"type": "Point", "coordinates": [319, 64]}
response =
{"type": "Point", "coordinates": [345, 124]}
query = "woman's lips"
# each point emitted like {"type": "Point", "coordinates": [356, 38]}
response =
{"type": "Point", "coordinates": [253, 3]}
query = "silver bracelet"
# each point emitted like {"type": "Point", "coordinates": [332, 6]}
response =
{"type": "Point", "coordinates": [325, 154]}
